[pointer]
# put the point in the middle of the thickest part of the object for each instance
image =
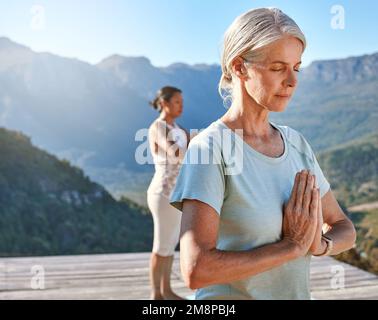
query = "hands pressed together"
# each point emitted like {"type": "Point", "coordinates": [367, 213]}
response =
{"type": "Point", "coordinates": [303, 218]}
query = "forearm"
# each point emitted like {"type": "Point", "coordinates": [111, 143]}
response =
{"type": "Point", "coordinates": [217, 266]}
{"type": "Point", "coordinates": [172, 150]}
{"type": "Point", "coordinates": [343, 235]}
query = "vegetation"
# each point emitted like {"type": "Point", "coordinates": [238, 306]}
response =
{"type": "Point", "coordinates": [352, 170]}
{"type": "Point", "coordinates": [365, 254]}
{"type": "Point", "coordinates": [48, 207]}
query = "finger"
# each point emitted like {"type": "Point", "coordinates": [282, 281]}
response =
{"type": "Point", "coordinates": [320, 207]}
{"type": "Point", "coordinates": [301, 188]}
{"type": "Point", "coordinates": [294, 190]}
{"type": "Point", "coordinates": [313, 212]}
{"type": "Point", "coordinates": [308, 192]}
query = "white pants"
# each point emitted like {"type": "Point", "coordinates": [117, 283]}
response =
{"type": "Point", "coordinates": [167, 223]}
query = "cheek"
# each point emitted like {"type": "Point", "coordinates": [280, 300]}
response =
{"type": "Point", "coordinates": [273, 83]}
{"type": "Point", "coordinates": [177, 108]}
{"type": "Point", "coordinates": [260, 88]}
{"type": "Point", "coordinates": [268, 86]}
{"type": "Point", "coordinates": [174, 107]}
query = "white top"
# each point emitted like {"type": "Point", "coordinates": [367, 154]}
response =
{"type": "Point", "coordinates": [167, 164]}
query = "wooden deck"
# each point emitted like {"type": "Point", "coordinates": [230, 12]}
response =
{"type": "Point", "coordinates": [125, 276]}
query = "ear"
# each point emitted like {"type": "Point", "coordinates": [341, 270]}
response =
{"type": "Point", "coordinates": [239, 68]}
{"type": "Point", "coordinates": [163, 104]}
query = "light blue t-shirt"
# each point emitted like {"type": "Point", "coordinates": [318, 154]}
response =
{"type": "Point", "coordinates": [248, 190]}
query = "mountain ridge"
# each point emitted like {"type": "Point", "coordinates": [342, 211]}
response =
{"type": "Point", "coordinates": [91, 113]}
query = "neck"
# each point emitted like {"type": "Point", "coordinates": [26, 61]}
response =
{"type": "Point", "coordinates": [167, 118]}
{"type": "Point", "coordinates": [250, 116]}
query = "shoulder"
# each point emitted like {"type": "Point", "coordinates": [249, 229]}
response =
{"type": "Point", "coordinates": [206, 145]}
{"type": "Point", "coordinates": [207, 137]}
{"type": "Point", "coordinates": [180, 126]}
{"type": "Point", "coordinates": [158, 124]}
{"type": "Point", "coordinates": [297, 140]}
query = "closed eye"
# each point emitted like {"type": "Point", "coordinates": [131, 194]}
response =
{"type": "Point", "coordinates": [278, 66]}
{"type": "Point", "coordinates": [278, 70]}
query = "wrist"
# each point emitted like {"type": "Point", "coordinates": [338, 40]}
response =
{"type": "Point", "coordinates": [293, 249]}
{"type": "Point", "coordinates": [321, 249]}
{"type": "Point", "coordinates": [328, 244]}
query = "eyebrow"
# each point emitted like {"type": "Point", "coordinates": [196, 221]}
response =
{"type": "Point", "coordinates": [283, 62]}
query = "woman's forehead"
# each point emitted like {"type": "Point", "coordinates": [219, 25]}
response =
{"type": "Point", "coordinates": [285, 50]}
{"type": "Point", "coordinates": [177, 95]}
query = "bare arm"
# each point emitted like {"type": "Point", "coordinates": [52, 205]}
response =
{"type": "Point", "coordinates": [163, 142]}
{"type": "Point", "coordinates": [340, 227]}
{"type": "Point", "coordinates": [202, 264]}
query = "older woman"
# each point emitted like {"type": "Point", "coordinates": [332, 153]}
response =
{"type": "Point", "coordinates": [250, 232]}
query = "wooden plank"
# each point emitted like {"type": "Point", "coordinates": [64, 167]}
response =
{"type": "Point", "coordinates": [126, 276]}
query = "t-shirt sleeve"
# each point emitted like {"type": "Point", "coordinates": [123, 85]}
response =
{"type": "Point", "coordinates": [321, 181]}
{"type": "Point", "coordinates": [201, 175]}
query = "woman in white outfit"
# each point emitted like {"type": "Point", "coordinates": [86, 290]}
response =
{"type": "Point", "coordinates": [168, 143]}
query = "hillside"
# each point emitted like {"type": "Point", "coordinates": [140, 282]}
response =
{"type": "Point", "coordinates": [352, 170]}
{"type": "Point", "coordinates": [89, 114]}
{"type": "Point", "coordinates": [365, 254]}
{"type": "Point", "coordinates": [48, 207]}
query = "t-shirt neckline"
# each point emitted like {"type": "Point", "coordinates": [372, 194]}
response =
{"type": "Point", "coordinates": [169, 125]}
{"type": "Point", "coordinates": [256, 153]}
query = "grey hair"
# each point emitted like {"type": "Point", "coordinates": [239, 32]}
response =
{"type": "Point", "coordinates": [248, 35]}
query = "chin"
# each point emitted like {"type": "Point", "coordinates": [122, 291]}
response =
{"type": "Point", "coordinates": [277, 108]}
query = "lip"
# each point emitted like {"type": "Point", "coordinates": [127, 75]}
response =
{"type": "Point", "coordinates": [283, 95]}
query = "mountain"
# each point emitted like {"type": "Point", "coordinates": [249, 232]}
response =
{"type": "Point", "coordinates": [336, 101]}
{"type": "Point", "coordinates": [364, 254]}
{"type": "Point", "coordinates": [89, 114]}
{"type": "Point", "coordinates": [199, 84]}
{"type": "Point", "coordinates": [69, 107]}
{"type": "Point", "coordinates": [343, 70]}
{"type": "Point", "coordinates": [352, 169]}
{"type": "Point", "coordinates": [49, 207]}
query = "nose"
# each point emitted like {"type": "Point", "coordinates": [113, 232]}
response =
{"type": "Point", "coordinates": [291, 79]}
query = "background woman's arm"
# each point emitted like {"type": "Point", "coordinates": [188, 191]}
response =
{"type": "Point", "coordinates": [163, 142]}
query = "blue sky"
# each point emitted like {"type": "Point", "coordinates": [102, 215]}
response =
{"type": "Point", "coordinates": [169, 31]}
